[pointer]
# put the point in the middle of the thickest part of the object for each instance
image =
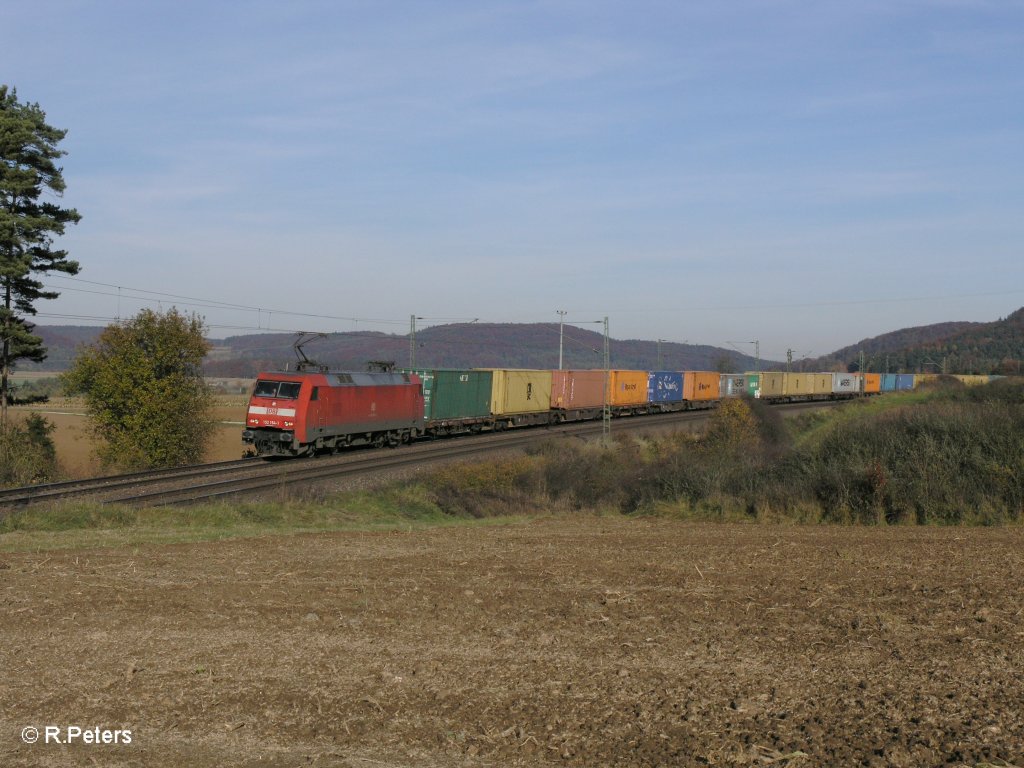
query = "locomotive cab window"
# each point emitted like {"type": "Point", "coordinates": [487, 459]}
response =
{"type": "Point", "coordinates": [265, 389]}
{"type": "Point", "coordinates": [315, 395]}
{"type": "Point", "coordinates": [288, 390]}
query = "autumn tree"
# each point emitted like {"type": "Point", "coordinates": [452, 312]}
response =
{"type": "Point", "coordinates": [145, 396]}
{"type": "Point", "coordinates": [30, 219]}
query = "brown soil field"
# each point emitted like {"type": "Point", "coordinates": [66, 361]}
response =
{"type": "Point", "coordinates": [583, 641]}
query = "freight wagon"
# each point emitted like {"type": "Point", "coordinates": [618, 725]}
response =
{"type": "Point", "coordinates": [577, 395]}
{"type": "Point", "coordinates": [455, 400]}
{"type": "Point", "coordinates": [665, 391]}
{"type": "Point", "coordinates": [627, 392]}
{"type": "Point", "coordinates": [520, 397]}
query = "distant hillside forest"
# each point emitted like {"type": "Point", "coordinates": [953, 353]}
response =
{"type": "Point", "coordinates": [469, 345]}
{"type": "Point", "coordinates": [996, 347]}
{"type": "Point", "coordinates": [953, 347]}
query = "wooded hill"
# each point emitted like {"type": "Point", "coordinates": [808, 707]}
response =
{"type": "Point", "coordinates": [471, 345]}
{"type": "Point", "coordinates": [465, 345]}
{"type": "Point", "coordinates": [959, 347]}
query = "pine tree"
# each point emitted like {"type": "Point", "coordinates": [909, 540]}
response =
{"type": "Point", "coordinates": [29, 222]}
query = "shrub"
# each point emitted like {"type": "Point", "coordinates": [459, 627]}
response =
{"type": "Point", "coordinates": [486, 488]}
{"type": "Point", "coordinates": [27, 452]}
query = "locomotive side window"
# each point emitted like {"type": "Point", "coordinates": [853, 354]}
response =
{"type": "Point", "coordinates": [315, 395]}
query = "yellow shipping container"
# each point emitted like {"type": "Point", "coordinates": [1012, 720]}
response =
{"type": "Point", "coordinates": [797, 384]}
{"type": "Point", "coordinates": [972, 380]}
{"type": "Point", "coordinates": [627, 387]}
{"type": "Point", "coordinates": [772, 384]}
{"type": "Point", "coordinates": [515, 390]}
{"type": "Point", "coordinates": [821, 383]}
{"type": "Point", "coordinates": [921, 378]}
{"type": "Point", "coordinates": [701, 385]}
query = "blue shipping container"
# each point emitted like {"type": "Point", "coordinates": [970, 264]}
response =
{"type": "Point", "coordinates": [664, 387]}
{"type": "Point", "coordinates": [904, 381]}
{"type": "Point", "coordinates": [888, 382]}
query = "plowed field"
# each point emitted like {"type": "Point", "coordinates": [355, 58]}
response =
{"type": "Point", "coordinates": [583, 642]}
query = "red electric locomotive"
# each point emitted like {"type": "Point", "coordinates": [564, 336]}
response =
{"type": "Point", "coordinates": [304, 412]}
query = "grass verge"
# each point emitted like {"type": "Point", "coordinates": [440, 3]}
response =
{"type": "Point", "coordinates": [93, 525]}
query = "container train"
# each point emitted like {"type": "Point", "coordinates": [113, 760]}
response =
{"type": "Point", "coordinates": [305, 412]}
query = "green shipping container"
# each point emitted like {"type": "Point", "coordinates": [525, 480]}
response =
{"type": "Point", "coordinates": [452, 394]}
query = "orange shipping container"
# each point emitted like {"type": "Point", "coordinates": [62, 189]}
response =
{"type": "Point", "coordinates": [628, 387]}
{"type": "Point", "coordinates": [701, 385]}
{"type": "Point", "coordinates": [872, 382]}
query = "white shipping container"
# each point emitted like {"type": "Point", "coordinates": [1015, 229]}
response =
{"type": "Point", "coordinates": [845, 383]}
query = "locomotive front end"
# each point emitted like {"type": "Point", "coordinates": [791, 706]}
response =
{"type": "Point", "coordinates": [273, 417]}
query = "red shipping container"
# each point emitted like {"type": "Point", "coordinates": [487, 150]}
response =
{"type": "Point", "coordinates": [571, 390]}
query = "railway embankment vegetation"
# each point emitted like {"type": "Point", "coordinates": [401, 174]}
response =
{"type": "Point", "coordinates": [947, 455]}
{"type": "Point", "coordinates": [943, 455]}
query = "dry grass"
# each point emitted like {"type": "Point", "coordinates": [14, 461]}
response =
{"type": "Point", "coordinates": [75, 448]}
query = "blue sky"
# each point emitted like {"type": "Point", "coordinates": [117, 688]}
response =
{"type": "Point", "coordinates": [802, 173]}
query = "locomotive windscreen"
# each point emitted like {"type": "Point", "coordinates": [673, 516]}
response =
{"type": "Point", "coordinates": [287, 390]}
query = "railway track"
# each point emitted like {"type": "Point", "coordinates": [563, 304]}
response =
{"type": "Point", "coordinates": [209, 482]}
{"type": "Point", "coordinates": [98, 486]}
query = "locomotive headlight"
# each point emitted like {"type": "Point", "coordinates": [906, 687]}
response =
{"type": "Point", "coordinates": [289, 423]}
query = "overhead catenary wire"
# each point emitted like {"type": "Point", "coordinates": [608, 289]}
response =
{"type": "Point", "coordinates": [219, 304]}
{"type": "Point", "coordinates": [204, 303]}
